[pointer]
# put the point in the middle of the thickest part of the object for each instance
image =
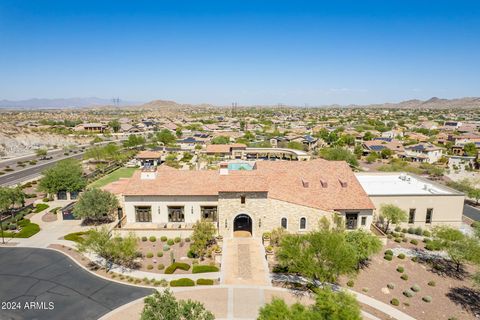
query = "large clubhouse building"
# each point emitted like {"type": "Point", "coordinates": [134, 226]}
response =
{"type": "Point", "coordinates": [256, 197]}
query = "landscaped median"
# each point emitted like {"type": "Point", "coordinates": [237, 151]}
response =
{"type": "Point", "coordinates": [19, 227]}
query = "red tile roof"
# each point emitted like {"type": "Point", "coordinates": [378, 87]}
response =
{"type": "Point", "coordinates": [317, 183]}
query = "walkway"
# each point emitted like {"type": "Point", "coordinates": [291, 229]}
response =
{"type": "Point", "coordinates": [243, 262]}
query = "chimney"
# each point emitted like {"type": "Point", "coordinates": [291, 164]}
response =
{"type": "Point", "coordinates": [223, 169]}
{"type": "Point", "coordinates": [305, 183]}
{"type": "Point", "coordinates": [343, 183]}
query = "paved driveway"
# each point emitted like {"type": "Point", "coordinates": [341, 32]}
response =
{"type": "Point", "coordinates": [471, 212]}
{"type": "Point", "coordinates": [59, 286]}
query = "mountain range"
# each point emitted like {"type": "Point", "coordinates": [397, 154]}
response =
{"type": "Point", "coordinates": [93, 102]}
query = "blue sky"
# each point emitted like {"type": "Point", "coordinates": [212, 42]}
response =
{"type": "Point", "coordinates": [252, 52]}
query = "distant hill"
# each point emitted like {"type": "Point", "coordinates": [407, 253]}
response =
{"type": "Point", "coordinates": [61, 103]}
{"type": "Point", "coordinates": [432, 103]}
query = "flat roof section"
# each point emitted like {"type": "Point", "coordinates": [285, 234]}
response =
{"type": "Point", "coordinates": [384, 184]}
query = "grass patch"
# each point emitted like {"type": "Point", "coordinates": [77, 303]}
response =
{"type": "Point", "coordinates": [28, 230]}
{"type": "Point", "coordinates": [182, 282]}
{"type": "Point", "coordinates": [204, 282]}
{"type": "Point", "coordinates": [76, 236]}
{"type": "Point", "coordinates": [177, 265]}
{"type": "Point", "coordinates": [112, 177]}
{"type": "Point", "coordinates": [204, 268]}
{"type": "Point", "coordinates": [40, 207]}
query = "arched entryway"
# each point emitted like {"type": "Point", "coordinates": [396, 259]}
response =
{"type": "Point", "coordinates": [242, 226]}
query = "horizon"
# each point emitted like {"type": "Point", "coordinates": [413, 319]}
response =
{"type": "Point", "coordinates": [253, 53]}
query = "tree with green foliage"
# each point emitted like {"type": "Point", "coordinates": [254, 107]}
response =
{"type": "Point", "coordinates": [134, 141]}
{"type": "Point", "coordinates": [164, 306]}
{"type": "Point", "coordinates": [358, 151]}
{"type": "Point", "coordinates": [11, 197]}
{"type": "Point", "coordinates": [368, 136]}
{"type": "Point", "coordinates": [338, 153]}
{"type": "Point", "coordinates": [365, 244]}
{"type": "Point", "coordinates": [470, 149]}
{"type": "Point", "coordinates": [372, 157]}
{"type": "Point", "coordinates": [202, 236]}
{"type": "Point", "coordinates": [386, 153]}
{"type": "Point", "coordinates": [322, 255]}
{"type": "Point", "coordinates": [329, 305]}
{"type": "Point", "coordinates": [178, 132]}
{"type": "Point", "coordinates": [41, 152]}
{"type": "Point", "coordinates": [165, 137]}
{"type": "Point", "coordinates": [474, 193]}
{"type": "Point", "coordinates": [391, 214]}
{"type": "Point", "coordinates": [115, 125]}
{"type": "Point", "coordinates": [295, 145]}
{"type": "Point", "coordinates": [66, 175]}
{"type": "Point", "coordinates": [122, 251]}
{"type": "Point", "coordinates": [220, 140]}
{"type": "Point", "coordinates": [96, 205]}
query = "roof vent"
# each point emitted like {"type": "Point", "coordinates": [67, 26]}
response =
{"type": "Point", "coordinates": [305, 183]}
{"type": "Point", "coordinates": [323, 183]}
{"type": "Point", "coordinates": [343, 183]}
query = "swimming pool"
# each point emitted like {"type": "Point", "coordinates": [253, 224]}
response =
{"type": "Point", "coordinates": [239, 166]}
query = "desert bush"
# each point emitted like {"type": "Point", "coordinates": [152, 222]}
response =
{"type": "Point", "coordinates": [166, 247]}
{"type": "Point", "coordinates": [388, 257]}
{"type": "Point", "coordinates": [149, 255]}
{"type": "Point", "coordinates": [408, 293]}
{"type": "Point", "coordinates": [401, 256]}
{"type": "Point", "coordinates": [204, 282]}
{"type": "Point", "coordinates": [426, 233]}
{"type": "Point", "coordinates": [350, 283]}
{"type": "Point", "coordinates": [395, 302]}
{"type": "Point", "coordinates": [152, 239]}
{"type": "Point", "coordinates": [391, 286]}
{"type": "Point", "coordinates": [432, 283]}
{"type": "Point", "coordinates": [414, 241]}
{"type": "Point", "coordinates": [159, 254]}
{"type": "Point", "coordinates": [149, 267]}
{"type": "Point", "coordinates": [160, 266]}
{"type": "Point", "coordinates": [187, 239]}
{"type": "Point", "coordinates": [389, 252]}
{"type": "Point", "coordinates": [204, 268]}
{"type": "Point", "coordinates": [404, 277]}
{"type": "Point", "coordinates": [398, 240]}
{"type": "Point", "coordinates": [397, 229]}
{"type": "Point", "coordinates": [144, 239]}
{"type": "Point", "coordinates": [177, 239]}
{"type": "Point", "coordinates": [411, 230]}
{"type": "Point", "coordinates": [170, 242]}
{"type": "Point", "coordinates": [418, 231]}
{"type": "Point", "coordinates": [427, 299]}
{"type": "Point", "coordinates": [163, 238]}
{"type": "Point", "coordinates": [415, 288]}
{"type": "Point", "coordinates": [400, 269]}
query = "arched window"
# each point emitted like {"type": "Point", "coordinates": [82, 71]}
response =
{"type": "Point", "coordinates": [284, 223]}
{"type": "Point", "coordinates": [303, 223]}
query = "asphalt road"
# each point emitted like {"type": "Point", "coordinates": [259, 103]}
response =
{"type": "Point", "coordinates": [28, 173]}
{"type": "Point", "coordinates": [471, 212]}
{"type": "Point", "coordinates": [61, 288]}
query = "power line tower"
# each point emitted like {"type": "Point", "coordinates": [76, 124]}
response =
{"type": "Point", "coordinates": [234, 109]}
{"type": "Point", "coordinates": [116, 101]}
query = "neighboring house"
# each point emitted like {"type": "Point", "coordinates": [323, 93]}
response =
{"type": "Point", "coordinates": [427, 203]}
{"type": "Point", "coordinates": [378, 144]}
{"type": "Point", "coordinates": [226, 151]}
{"type": "Point", "coordinates": [392, 134]}
{"type": "Point", "coordinates": [91, 127]}
{"type": "Point", "coordinates": [148, 158]}
{"type": "Point", "coordinates": [292, 195]}
{"type": "Point", "coordinates": [422, 152]}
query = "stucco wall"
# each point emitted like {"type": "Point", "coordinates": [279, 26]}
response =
{"type": "Point", "coordinates": [446, 209]}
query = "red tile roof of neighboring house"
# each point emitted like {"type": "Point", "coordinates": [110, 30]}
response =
{"type": "Point", "coordinates": [147, 154]}
{"type": "Point", "coordinates": [326, 185]}
{"type": "Point", "coordinates": [224, 148]}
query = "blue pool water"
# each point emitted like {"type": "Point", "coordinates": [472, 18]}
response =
{"type": "Point", "coordinates": [239, 166]}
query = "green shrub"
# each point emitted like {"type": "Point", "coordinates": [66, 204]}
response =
{"type": "Point", "coordinates": [397, 229]}
{"type": "Point", "coordinates": [204, 268]}
{"type": "Point", "coordinates": [415, 259]}
{"type": "Point", "coordinates": [40, 207]}
{"type": "Point", "coordinates": [395, 302]}
{"type": "Point", "coordinates": [166, 247]}
{"type": "Point", "coordinates": [45, 199]}
{"type": "Point", "coordinates": [433, 245]}
{"type": "Point", "coordinates": [160, 266]}
{"type": "Point", "coordinates": [187, 239]}
{"type": "Point", "coordinates": [411, 230]}
{"type": "Point", "coordinates": [149, 267]}
{"type": "Point", "coordinates": [418, 231]}
{"type": "Point", "coordinates": [388, 257]}
{"type": "Point", "coordinates": [389, 236]}
{"type": "Point", "coordinates": [427, 299]}
{"type": "Point", "coordinates": [144, 239]}
{"type": "Point", "coordinates": [391, 286]}
{"type": "Point", "coordinates": [177, 239]}
{"type": "Point", "coordinates": [159, 254]}
{"type": "Point", "coordinates": [177, 265]}
{"type": "Point", "coordinates": [389, 252]}
{"type": "Point", "coordinates": [414, 241]}
{"type": "Point", "coordinates": [401, 256]}
{"type": "Point", "coordinates": [149, 255]}
{"type": "Point", "coordinates": [426, 233]}
{"type": "Point", "coordinates": [432, 283]}
{"type": "Point", "coordinates": [404, 230]}
{"type": "Point", "coordinates": [404, 277]}
{"type": "Point", "coordinates": [404, 239]}
{"type": "Point", "coordinates": [163, 238]}
{"type": "Point", "coordinates": [350, 283]}
{"type": "Point", "coordinates": [408, 293]}
{"type": "Point", "coordinates": [398, 240]}
{"type": "Point", "coordinates": [400, 269]}
{"type": "Point", "coordinates": [28, 229]}
{"type": "Point", "coordinates": [204, 282]}
{"type": "Point", "coordinates": [415, 288]}
{"type": "Point", "coordinates": [182, 282]}
{"type": "Point", "coordinates": [170, 242]}
{"type": "Point", "coordinates": [152, 239]}
{"type": "Point", "coordinates": [12, 226]}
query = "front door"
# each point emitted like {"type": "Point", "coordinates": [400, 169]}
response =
{"type": "Point", "coordinates": [352, 219]}
{"type": "Point", "coordinates": [242, 225]}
